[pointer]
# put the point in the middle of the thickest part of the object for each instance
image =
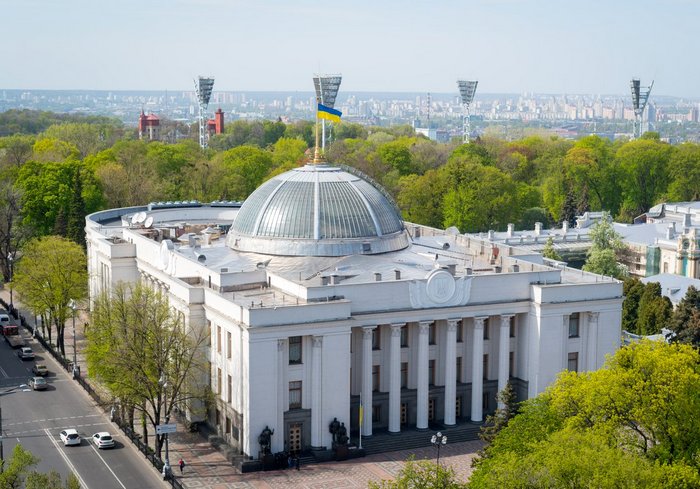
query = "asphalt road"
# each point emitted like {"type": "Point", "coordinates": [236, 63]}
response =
{"type": "Point", "coordinates": [35, 419]}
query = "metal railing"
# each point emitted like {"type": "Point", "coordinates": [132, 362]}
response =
{"type": "Point", "coordinates": [68, 366]}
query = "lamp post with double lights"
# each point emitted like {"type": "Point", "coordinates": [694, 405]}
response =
{"type": "Point", "coordinates": [438, 440]}
{"type": "Point", "coordinates": [74, 308]}
{"type": "Point", "coordinates": [166, 466]}
{"type": "Point", "coordinates": [10, 261]}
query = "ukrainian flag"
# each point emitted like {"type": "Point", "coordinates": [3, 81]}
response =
{"type": "Point", "coordinates": [328, 113]}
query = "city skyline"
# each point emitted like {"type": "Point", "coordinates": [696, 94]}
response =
{"type": "Point", "coordinates": [510, 46]}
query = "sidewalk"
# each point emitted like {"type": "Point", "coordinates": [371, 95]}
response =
{"type": "Point", "coordinates": [207, 468]}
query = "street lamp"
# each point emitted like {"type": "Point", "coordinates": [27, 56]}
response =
{"type": "Point", "coordinates": [11, 259]}
{"type": "Point", "coordinates": [74, 307]}
{"type": "Point", "coordinates": [438, 439]}
{"type": "Point", "coordinates": [166, 466]}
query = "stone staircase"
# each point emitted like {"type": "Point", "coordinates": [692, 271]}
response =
{"type": "Point", "coordinates": [383, 441]}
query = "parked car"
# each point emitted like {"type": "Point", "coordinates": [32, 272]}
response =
{"type": "Point", "coordinates": [38, 383]}
{"type": "Point", "coordinates": [103, 439]}
{"type": "Point", "coordinates": [70, 436]}
{"type": "Point", "coordinates": [25, 353]}
{"type": "Point", "coordinates": [40, 369]}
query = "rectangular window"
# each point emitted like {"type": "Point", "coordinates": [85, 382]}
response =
{"type": "Point", "coordinates": [459, 369]}
{"type": "Point", "coordinates": [376, 338]}
{"type": "Point", "coordinates": [573, 362]}
{"type": "Point", "coordinates": [228, 425]}
{"type": "Point", "coordinates": [404, 336]}
{"type": "Point", "coordinates": [219, 382]}
{"type": "Point", "coordinates": [486, 329]}
{"type": "Point", "coordinates": [512, 327]}
{"type": "Point", "coordinates": [218, 417]}
{"type": "Point", "coordinates": [295, 350]}
{"type": "Point", "coordinates": [208, 333]}
{"type": "Point", "coordinates": [511, 364]}
{"type": "Point", "coordinates": [460, 332]}
{"type": "Point", "coordinates": [229, 392]}
{"type": "Point", "coordinates": [295, 394]}
{"type": "Point", "coordinates": [218, 339]}
{"type": "Point", "coordinates": [431, 372]}
{"type": "Point", "coordinates": [431, 334]}
{"type": "Point", "coordinates": [375, 378]}
{"type": "Point", "coordinates": [377, 413]}
{"type": "Point", "coordinates": [228, 344]}
{"type": "Point", "coordinates": [486, 366]}
{"type": "Point", "coordinates": [404, 375]}
{"type": "Point", "coordinates": [573, 325]}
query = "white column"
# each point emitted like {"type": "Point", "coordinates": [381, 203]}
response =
{"type": "Point", "coordinates": [451, 372]}
{"type": "Point", "coordinates": [504, 354]}
{"type": "Point", "coordinates": [282, 387]}
{"type": "Point", "coordinates": [395, 379]}
{"type": "Point", "coordinates": [367, 380]}
{"type": "Point", "coordinates": [422, 376]}
{"type": "Point", "coordinates": [317, 424]}
{"type": "Point", "coordinates": [478, 369]}
{"type": "Point", "coordinates": [591, 362]}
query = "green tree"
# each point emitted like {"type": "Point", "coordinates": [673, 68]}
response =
{"type": "Point", "coordinates": [239, 171]}
{"type": "Point", "coordinates": [625, 422]}
{"type": "Point", "coordinates": [632, 289]}
{"type": "Point", "coordinates": [16, 473]}
{"type": "Point", "coordinates": [644, 174]}
{"type": "Point", "coordinates": [654, 310]}
{"type": "Point", "coordinates": [506, 410]}
{"type": "Point", "coordinates": [51, 272]}
{"type": "Point", "coordinates": [75, 222]}
{"type": "Point", "coordinates": [421, 474]}
{"type": "Point", "coordinates": [135, 341]}
{"type": "Point", "coordinates": [16, 150]}
{"type": "Point", "coordinates": [606, 244]}
{"type": "Point", "coordinates": [397, 155]}
{"type": "Point", "coordinates": [549, 251]}
{"type": "Point", "coordinates": [684, 173]}
{"type": "Point", "coordinates": [685, 321]}
{"type": "Point", "coordinates": [482, 198]}
{"type": "Point", "coordinates": [421, 198]}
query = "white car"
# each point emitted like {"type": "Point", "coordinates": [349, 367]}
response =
{"type": "Point", "coordinates": [103, 439]}
{"type": "Point", "coordinates": [70, 436]}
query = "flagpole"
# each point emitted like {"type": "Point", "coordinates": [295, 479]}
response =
{"type": "Point", "coordinates": [317, 151]}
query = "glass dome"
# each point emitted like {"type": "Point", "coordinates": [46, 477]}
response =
{"type": "Point", "coordinates": [317, 210]}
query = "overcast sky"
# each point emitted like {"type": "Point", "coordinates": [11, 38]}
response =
{"type": "Point", "coordinates": [515, 46]}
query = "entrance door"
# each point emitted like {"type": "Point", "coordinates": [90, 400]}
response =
{"type": "Point", "coordinates": [295, 437]}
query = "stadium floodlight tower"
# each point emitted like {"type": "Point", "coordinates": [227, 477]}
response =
{"type": "Point", "coordinates": [467, 89]}
{"type": "Point", "coordinates": [640, 96]}
{"type": "Point", "coordinates": [327, 87]}
{"type": "Point", "coordinates": [203, 86]}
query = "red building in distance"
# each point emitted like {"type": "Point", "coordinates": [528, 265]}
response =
{"type": "Point", "coordinates": [149, 127]}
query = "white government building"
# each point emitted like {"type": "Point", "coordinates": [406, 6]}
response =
{"type": "Point", "coordinates": [318, 295]}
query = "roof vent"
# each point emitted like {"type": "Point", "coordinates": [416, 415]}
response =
{"type": "Point", "coordinates": [366, 247]}
{"type": "Point", "coordinates": [497, 269]}
{"type": "Point", "coordinates": [397, 274]}
{"type": "Point", "coordinates": [452, 268]}
{"type": "Point", "coordinates": [335, 279]}
{"type": "Point", "coordinates": [416, 232]}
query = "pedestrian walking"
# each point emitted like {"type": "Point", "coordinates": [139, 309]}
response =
{"type": "Point", "coordinates": [297, 463]}
{"type": "Point", "coordinates": [181, 463]}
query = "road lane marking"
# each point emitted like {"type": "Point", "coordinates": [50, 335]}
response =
{"type": "Point", "coordinates": [92, 445]}
{"type": "Point", "coordinates": [65, 459]}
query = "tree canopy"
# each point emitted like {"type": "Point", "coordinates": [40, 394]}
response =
{"type": "Point", "coordinates": [626, 425]}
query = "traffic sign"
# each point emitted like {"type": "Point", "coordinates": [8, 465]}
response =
{"type": "Point", "coordinates": [162, 429]}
